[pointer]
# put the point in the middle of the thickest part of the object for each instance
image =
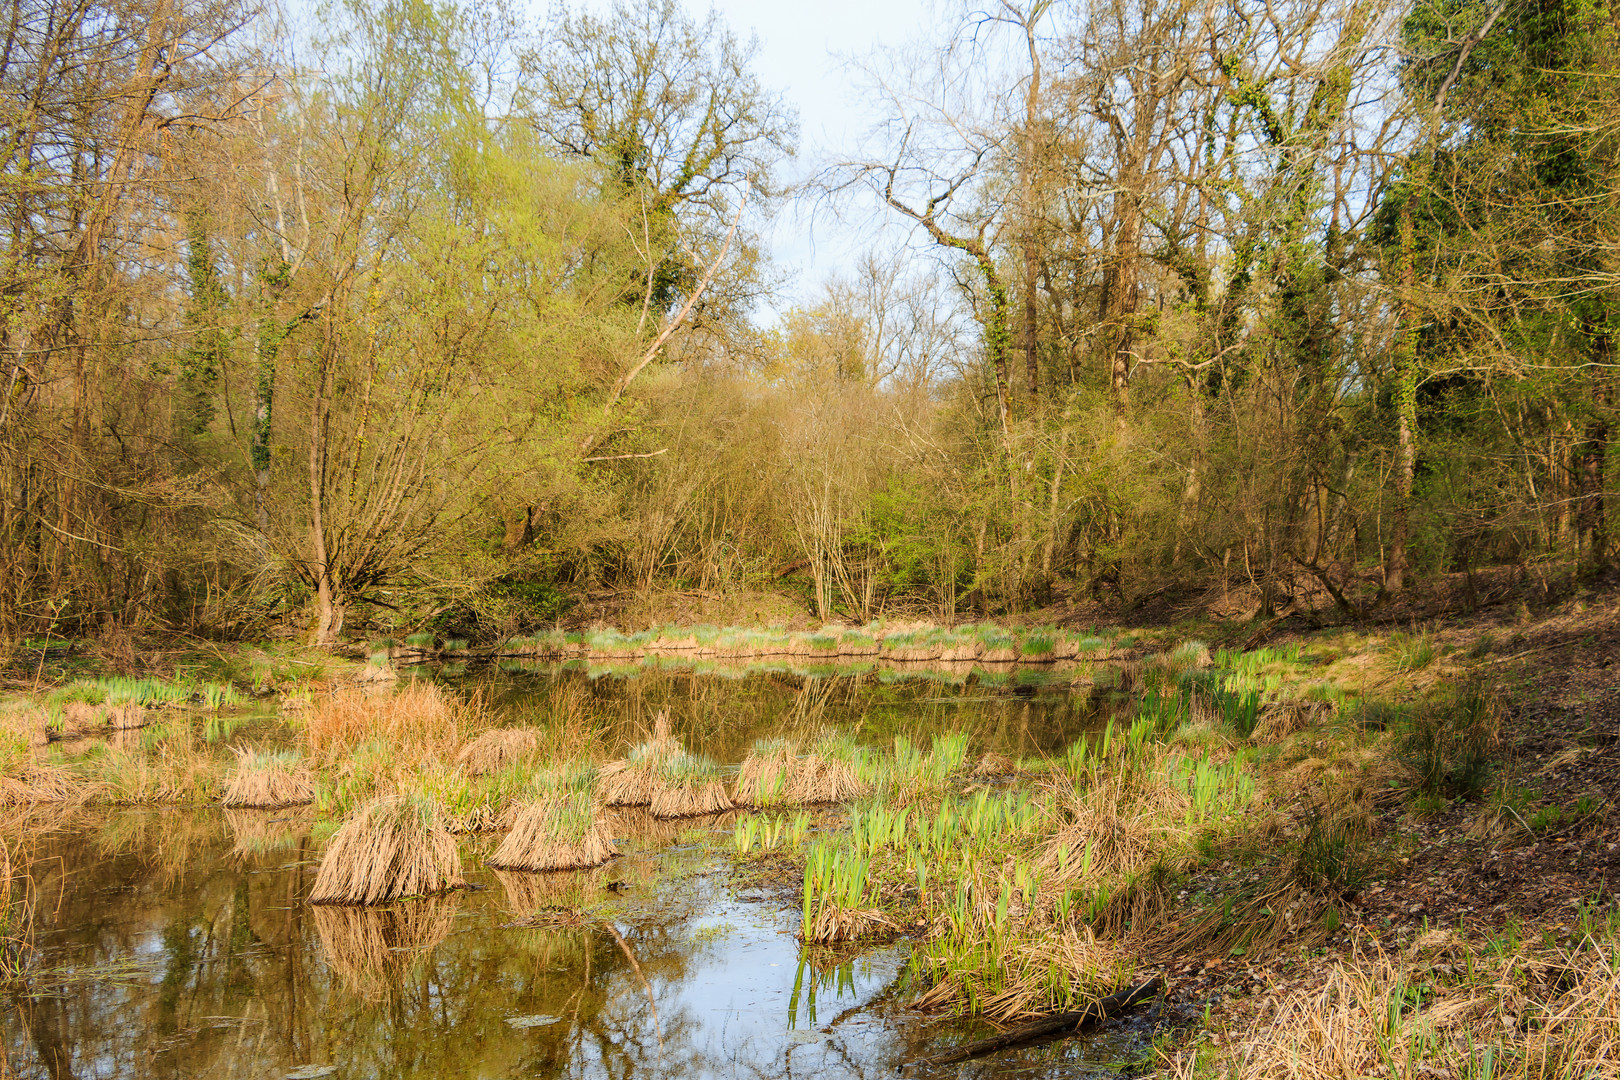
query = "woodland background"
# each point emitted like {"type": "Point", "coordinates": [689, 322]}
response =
{"type": "Point", "coordinates": [447, 313]}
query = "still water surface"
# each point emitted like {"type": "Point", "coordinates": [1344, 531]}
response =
{"type": "Point", "coordinates": [177, 943]}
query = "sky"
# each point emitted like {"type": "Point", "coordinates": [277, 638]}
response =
{"type": "Point", "coordinates": [799, 47]}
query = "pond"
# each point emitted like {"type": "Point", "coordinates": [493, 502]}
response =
{"type": "Point", "coordinates": [178, 943]}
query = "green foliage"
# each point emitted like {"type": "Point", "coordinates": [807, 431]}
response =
{"type": "Point", "coordinates": [1448, 744]}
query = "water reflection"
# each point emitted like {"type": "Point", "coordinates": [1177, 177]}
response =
{"type": "Point", "coordinates": [1019, 713]}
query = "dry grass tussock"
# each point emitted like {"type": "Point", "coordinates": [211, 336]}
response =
{"type": "Point", "coordinates": [993, 764]}
{"type": "Point", "coordinates": [268, 779]}
{"type": "Point", "coordinates": [635, 779]}
{"type": "Point", "coordinates": [1551, 1019]}
{"type": "Point", "coordinates": [1280, 720]}
{"type": "Point", "coordinates": [419, 721]}
{"type": "Point", "coordinates": [775, 774]}
{"type": "Point", "coordinates": [370, 949]}
{"type": "Point", "coordinates": [1038, 976]}
{"type": "Point", "coordinates": [1114, 827]}
{"type": "Point", "coordinates": [556, 832]}
{"type": "Point", "coordinates": [392, 847]}
{"type": "Point", "coordinates": [689, 786]}
{"type": "Point", "coordinates": [39, 782]}
{"type": "Point", "coordinates": [495, 750]}
{"type": "Point", "coordinates": [833, 924]}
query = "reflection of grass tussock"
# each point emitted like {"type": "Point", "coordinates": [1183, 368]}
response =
{"type": "Point", "coordinates": [495, 750]}
{"type": "Point", "coordinates": [636, 826]}
{"type": "Point", "coordinates": [528, 893]}
{"type": "Point", "coordinates": [394, 846]}
{"type": "Point", "coordinates": [559, 831]}
{"type": "Point", "coordinates": [255, 832]}
{"type": "Point", "coordinates": [370, 948]}
{"type": "Point", "coordinates": [267, 779]}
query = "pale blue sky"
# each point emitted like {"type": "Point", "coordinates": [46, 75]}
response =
{"type": "Point", "coordinates": [800, 43]}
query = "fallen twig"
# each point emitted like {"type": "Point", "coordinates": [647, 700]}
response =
{"type": "Point", "coordinates": [1060, 1024]}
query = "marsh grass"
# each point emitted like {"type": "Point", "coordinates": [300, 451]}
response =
{"type": "Point", "coordinates": [1448, 744]}
{"type": "Point", "coordinates": [267, 779]}
{"type": "Point", "coordinates": [391, 848]}
{"type": "Point", "coordinates": [560, 830]}
{"type": "Point", "coordinates": [496, 750]}
{"type": "Point", "coordinates": [689, 785]}
{"type": "Point", "coordinates": [419, 722]}
{"type": "Point", "coordinates": [1414, 651]}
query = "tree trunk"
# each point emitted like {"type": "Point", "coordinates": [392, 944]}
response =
{"type": "Point", "coordinates": [1029, 183]}
{"type": "Point", "coordinates": [1593, 516]}
{"type": "Point", "coordinates": [1405, 413]}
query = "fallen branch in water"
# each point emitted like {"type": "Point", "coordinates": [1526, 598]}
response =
{"type": "Point", "coordinates": [1061, 1023]}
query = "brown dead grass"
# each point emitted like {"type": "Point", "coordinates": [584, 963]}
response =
{"type": "Point", "coordinates": [419, 721]}
{"type": "Point", "coordinates": [267, 781]}
{"type": "Point", "coordinates": [558, 832]}
{"type": "Point", "coordinates": [392, 847]}
{"type": "Point", "coordinates": [993, 764]}
{"type": "Point", "coordinates": [495, 750]}
{"type": "Point", "coordinates": [1554, 1018]}
{"type": "Point", "coordinates": [634, 780]}
{"type": "Point", "coordinates": [1122, 827]}
{"type": "Point", "coordinates": [39, 782]}
{"type": "Point", "coordinates": [1092, 969]}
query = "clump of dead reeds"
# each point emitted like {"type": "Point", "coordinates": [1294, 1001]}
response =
{"type": "Point", "coordinates": [267, 779]}
{"type": "Point", "coordinates": [394, 846]}
{"type": "Point", "coordinates": [993, 764]}
{"type": "Point", "coordinates": [1109, 831]}
{"type": "Point", "coordinates": [418, 721]}
{"type": "Point", "coordinates": [689, 785]}
{"type": "Point", "coordinates": [40, 782]}
{"type": "Point", "coordinates": [495, 750]}
{"type": "Point", "coordinates": [775, 774]}
{"type": "Point", "coordinates": [634, 779]}
{"type": "Point", "coordinates": [763, 779]}
{"type": "Point", "coordinates": [1035, 976]}
{"type": "Point", "coordinates": [558, 831]}
{"type": "Point", "coordinates": [370, 949]}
